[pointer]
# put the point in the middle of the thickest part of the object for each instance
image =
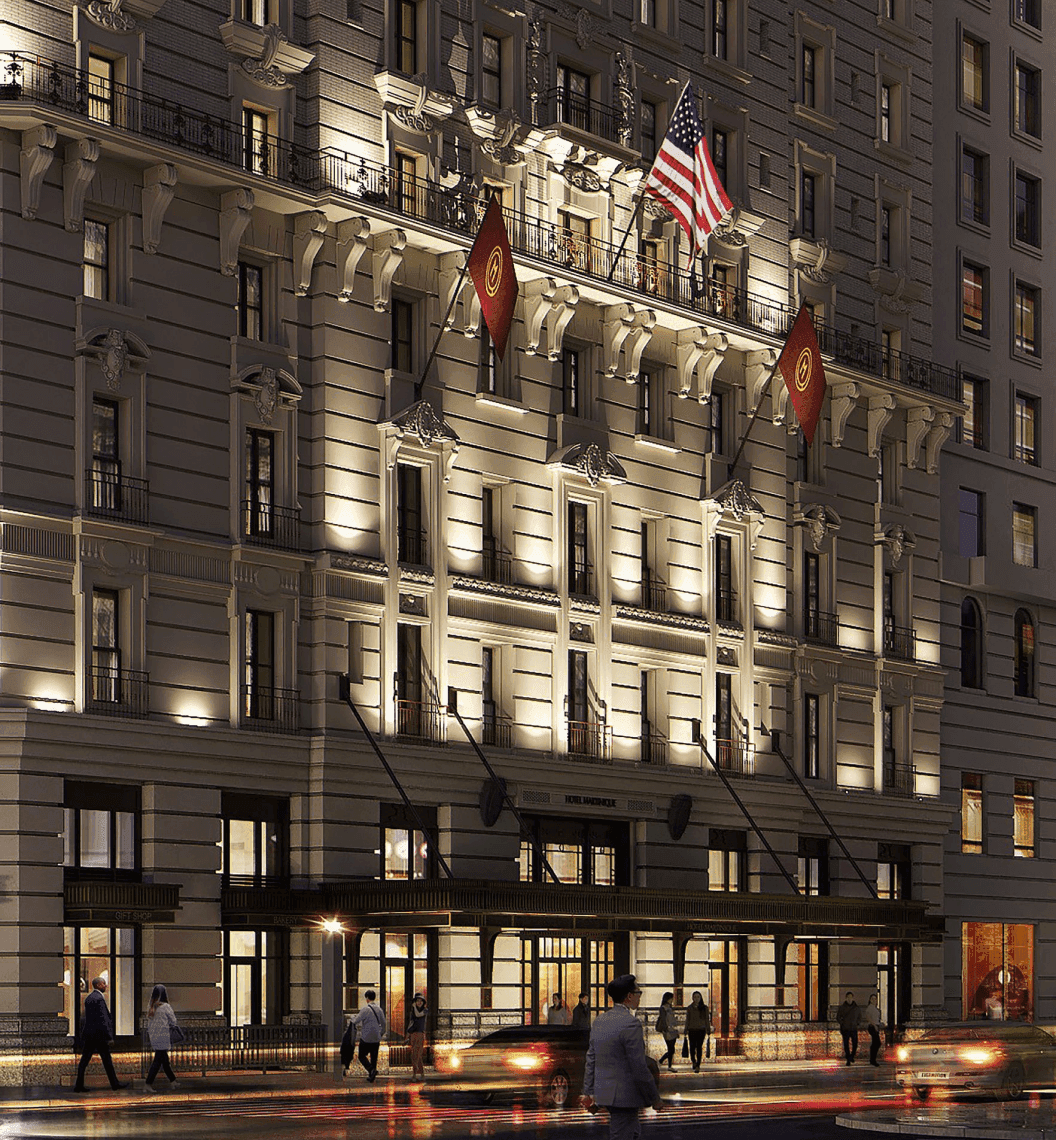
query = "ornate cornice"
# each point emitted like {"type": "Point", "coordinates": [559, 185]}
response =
{"type": "Point", "coordinates": [507, 592]}
{"type": "Point", "coordinates": [688, 622]}
{"type": "Point", "coordinates": [354, 562]}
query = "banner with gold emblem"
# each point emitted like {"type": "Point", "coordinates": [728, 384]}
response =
{"type": "Point", "coordinates": [800, 365]}
{"type": "Point", "coordinates": [491, 267]}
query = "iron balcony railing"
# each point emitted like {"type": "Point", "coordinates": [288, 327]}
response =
{"type": "Point", "coordinates": [590, 740]}
{"type": "Point", "coordinates": [654, 747]}
{"type": "Point", "coordinates": [52, 85]}
{"type": "Point", "coordinates": [411, 547]}
{"type": "Point", "coordinates": [118, 692]}
{"type": "Point", "coordinates": [822, 628]}
{"type": "Point", "coordinates": [496, 566]}
{"type": "Point", "coordinates": [581, 581]}
{"type": "Point", "coordinates": [496, 730]}
{"type": "Point", "coordinates": [422, 721]}
{"type": "Point", "coordinates": [735, 757]}
{"type": "Point", "coordinates": [264, 524]}
{"type": "Point", "coordinates": [725, 604]}
{"type": "Point", "coordinates": [900, 642]}
{"type": "Point", "coordinates": [560, 105]}
{"type": "Point", "coordinates": [654, 597]}
{"type": "Point", "coordinates": [900, 779]}
{"type": "Point", "coordinates": [219, 1048]}
{"type": "Point", "coordinates": [115, 496]}
{"type": "Point", "coordinates": [270, 710]}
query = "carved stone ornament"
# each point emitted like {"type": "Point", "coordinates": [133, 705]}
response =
{"type": "Point", "coordinates": [497, 133]}
{"type": "Point", "coordinates": [421, 420]}
{"type": "Point", "coordinates": [820, 521]}
{"type": "Point", "coordinates": [727, 655]}
{"type": "Point", "coordinates": [581, 177]}
{"type": "Point", "coordinates": [113, 358]}
{"type": "Point", "coordinates": [414, 120]}
{"type": "Point", "coordinates": [264, 70]}
{"type": "Point", "coordinates": [269, 388]}
{"type": "Point", "coordinates": [734, 498]}
{"type": "Point", "coordinates": [535, 60]}
{"type": "Point", "coordinates": [591, 461]}
{"type": "Point", "coordinates": [623, 96]}
{"type": "Point", "coordinates": [654, 209]}
{"type": "Point", "coordinates": [267, 394]}
{"type": "Point", "coordinates": [586, 26]}
{"type": "Point", "coordinates": [116, 352]}
{"type": "Point", "coordinates": [897, 540]}
{"type": "Point", "coordinates": [107, 14]}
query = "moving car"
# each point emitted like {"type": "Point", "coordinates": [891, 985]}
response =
{"type": "Point", "coordinates": [998, 1057]}
{"type": "Point", "coordinates": [540, 1063]}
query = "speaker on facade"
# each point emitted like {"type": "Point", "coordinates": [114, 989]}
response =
{"type": "Point", "coordinates": [492, 798]}
{"type": "Point", "coordinates": [678, 812]}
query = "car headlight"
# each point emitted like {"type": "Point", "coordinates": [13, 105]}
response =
{"type": "Point", "coordinates": [976, 1055]}
{"type": "Point", "coordinates": [902, 1054]}
{"type": "Point", "coordinates": [524, 1062]}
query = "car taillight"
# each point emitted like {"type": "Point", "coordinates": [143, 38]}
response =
{"type": "Point", "coordinates": [978, 1055]}
{"type": "Point", "coordinates": [902, 1053]}
{"type": "Point", "coordinates": [526, 1060]}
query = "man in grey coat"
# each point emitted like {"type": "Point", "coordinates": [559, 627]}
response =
{"type": "Point", "coordinates": [617, 1075]}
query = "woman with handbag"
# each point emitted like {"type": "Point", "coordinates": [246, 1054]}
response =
{"type": "Point", "coordinates": [698, 1027]}
{"type": "Point", "coordinates": [668, 1029]}
{"type": "Point", "coordinates": [163, 1033]}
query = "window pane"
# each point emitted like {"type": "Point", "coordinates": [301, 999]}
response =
{"type": "Point", "coordinates": [241, 847]}
{"type": "Point", "coordinates": [95, 838]}
{"type": "Point", "coordinates": [1023, 819]}
{"type": "Point", "coordinates": [125, 853]}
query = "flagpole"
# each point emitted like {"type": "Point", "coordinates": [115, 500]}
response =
{"type": "Point", "coordinates": [751, 422]}
{"type": "Point", "coordinates": [627, 233]}
{"type": "Point", "coordinates": [440, 331]}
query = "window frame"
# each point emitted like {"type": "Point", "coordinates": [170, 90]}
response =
{"type": "Point", "coordinates": [1024, 793]}
{"type": "Point", "coordinates": [974, 205]}
{"type": "Point", "coordinates": [1026, 319]}
{"type": "Point", "coordinates": [1027, 236]}
{"type": "Point", "coordinates": [1024, 658]}
{"type": "Point", "coordinates": [973, 802]}
{"type": "Point", "coordinates": [979, 515]}
{"type": "Point", "coordinates": [980, 408]}
{"type": "Point", "coordinates": [973, 659]}
{"type": "Point", "coordinates": [1021, 514]}
{"type": "Point", "coordinates": [1026, 420]}
{"type": "Point", "coordinates": [1026, 110]}
{"type": "Point", "coordinates": [966, 100]}
{"type": "Point", "coordinates": [969, 264]}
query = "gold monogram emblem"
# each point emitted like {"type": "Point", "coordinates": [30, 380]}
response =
{"type": "Point", "coordinates": [804, 366]}
{"type": "Point", "coordinates": [493, 272]}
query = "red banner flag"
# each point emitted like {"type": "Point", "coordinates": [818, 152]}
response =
{"type": "Point", "coordinates": [800, 364]}
{"type": "Point", "coordinates": [491, 267]}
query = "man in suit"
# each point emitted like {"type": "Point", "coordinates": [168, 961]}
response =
{"type": "Point", "coordinates": [97, 1035]}
{"type": "Point", "coordinates": [617, 1075]}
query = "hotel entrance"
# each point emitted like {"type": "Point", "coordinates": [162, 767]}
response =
{"type": "Point", "coordinates": [569, 967]}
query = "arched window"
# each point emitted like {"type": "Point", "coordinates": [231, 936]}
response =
{"type": "Point", "coordinates": [1024, 654]}
{"type": "Point", "coordinates": [971, 645]}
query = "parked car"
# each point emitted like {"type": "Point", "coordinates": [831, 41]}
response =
{"type": "Point", "coordinates": [996, 1057]}
{"type": "Point", "coordinates": [540, 1063]}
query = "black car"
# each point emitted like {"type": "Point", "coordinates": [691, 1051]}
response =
{"type": "Point", "coordinates": [538, 1063]}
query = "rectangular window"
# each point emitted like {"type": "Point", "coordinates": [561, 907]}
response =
{"type": "Point", "coordinates": [256, 966]}
{"type": "Point", "coordinates": [105, 489]}
{"type": "Point", "coordinates": [256, 149]}
{"type": "Point", "coordinates": [974, 317]}
{"type": "Point", "coordinates": [975, 187]}
{"type": "Point", "coordinates": [894, 871]}
{"type": "Point", "coordinates": [715, 441]}
{"type": "Point", "coordinates": [106, 647]}
{"type": "Point", "coordinates": [648, 399]}
{"type": "Point", "coordinates": [489, 363]}
{"type": "Point", "coordinates": [410, 521]}
{"type": "Point", "coordinates": [647, 12]}
{"type": "Point", "coordinates": [580, 570]}
{"type": "Point", "coordinates": [971, 813]}
{"type": "Point", "coordinates": [406, 30]}
{"type": "Point", "coordinates": [571, 381]}
{"type": "Point", "coordinates": [405, 847]}
{"type": "Point", "coordinates": [255, 843]}
{"type": "Point", "coordinates": [812, 979]}
{"type": "Point", "coordinates": [1024, 429]}
{"type": "Point", "coordinates": [971, 533]}
{"type": "Point", "coordinates": [886, 99]}
{"type": "Point", "coordinates": [1023, 819]}
{"type": "Point", "coordinates": [405, 188]}
{"type": "Point", "coordinates": [573, 97]}
{"type": "Point", "coordinates": [811, 736]}
{"type": "Point", "coordinates": [813, 866]}
{"type": "Point", "coordinates": [720, 149]}
{"type": "Point", "coordinates": [809, 84]}
{"type": "Point", "coordinates": [1024, 535]}
{"type": "Point", "coordinates": [724, 599]}
{"type": "Point", "coordinates": [101, 830]}
{"type": "Point", "coordinates": [1024, 317]}
{"type": "Point", "coordinates": [973, 422]}
{"type": "Point", "coordinates": [807, 215]}
{"type": "Point", "coordinates": [975, 79]}
{"type": "Point", "coordinates": [997, 972]}
{"type": "Point", "coordinates": [100, 952]}
{"type": "Point", "coordinates": [724, 739]}
{"type": "Point", "coordinates": [1028, 209]}
{"type": "Point", "coordinates": [412, 718]}
{"type": "Point", "coordinates": [885, 235]}
{"type": "Point", "coordinates": [727, 856]}
{"type": "Point", "coordinates": [257, 12]}
{"type": "Point", "coordinates": [100, 88]}
{"type": "Point", "coordinates": [402, 335]}
{"type": "Point", "coordinates": [260, 483]}
{"type": "Point", "coordinates": [649, 118]}
{"type": "Point", "coordinates": [576, 239]}
{"type": "Point", "coordinates": [582, 731]}
{"type": "Point", "coordinates": [96, 260]}
{"type": "Point", "coordinates": [890, 747]}
{"type": "Point", "coordinates": [250, 302]}
{"type": "Point", "coordinates": [720, 43]}
{"type": "Point", "coordinates": [259, 677]}
{"type": "Point", "coordinates": [1027, 12]}
{"type": "Point", "coordinates": [1026, 110]}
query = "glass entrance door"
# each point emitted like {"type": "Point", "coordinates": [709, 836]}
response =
{"type": "Point", "coordinates": [565, 966]}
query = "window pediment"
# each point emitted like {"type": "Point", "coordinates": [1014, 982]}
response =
{"type": "Point", "coordinates": [270, 388]}
{"type": "Point", "coordinates": [115, 351]}
{"type": "Point", "coordinates": [591, 461]}
{"type": "Point", "coordinates": [266, 53]}
{"type": "Point", "coordinates": [423, 423]}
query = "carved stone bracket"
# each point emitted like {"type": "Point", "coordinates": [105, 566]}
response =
{"type": "Point", "coordinates": [309, 232]}
{"type": "Point", "coordinates": [547, 303]}
{"type": "Point", "coordinates": [817, 260]}
{"type": "Point", "coordinates": [430, 429]}
{"type": "Point", "coordinates": [562, 310]}
{"type": "Point", "coordinates": [159, 187]}
{"type": "Point", "coordinates": [698, 353]}
{"type": "Point", "coordinates": [820, 521]}
{"type": "Point", "coordinates": [451, 266]}
{"type": "Point", "coordinates": [757, 368]}
{"type": "Point", "coordinates": [784, 411]}
{"type": "Point", "coordinates": [116, 351]}
{"type": "Point", "coordinates": [352, 238]}
{"type": "Point", "coordinates": [918, 424]}
{"type": "Point", "coordinates": [236, 209]}
{"type": "Point", "coordinates": [937, 436]}
{"type": "Point", "coordinates": [77, 173]}
{"type": "Point", "coordinates": [616, 327]}
{"type": "Point", "coordinates": [267, 56]}
{"type": "Point", "coordinates": [881, 409]}
{"type": "Point", "coordinates": [38, 151]}
{"type": "Point", "coordinates": [388, 257]}
{"type": "Point", "coordinates": [497, 134]}
{"type": "Point", "coordinates": [841, 404]}
{"type": "Point", "coordinates": [640, 335]}
{"type": "Point", "coordinates": [898, 294]}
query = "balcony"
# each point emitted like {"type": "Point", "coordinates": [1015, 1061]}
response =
{"type": "Point", "coordinates": [117, 692]}
{"type": "Point", "coordinates": [569, 108]}
{"type": "Point", "coordinates": [421, 721]}
{"type": "Point", "coordinates": [654, 597]}
{"type": "Point", "coordinates": [900, 642]}
{"type": "Point", "coordinates": [820, 628]}
{"type": "Point", "coordinates": [581, 581]}
{"type": "Point", "coordinates": [735, 757]}
{"type": "Point", "coordinates": [411, 546]}
{"type": "Point", "coordinates": [265, 709]}
{"type": "Point", "coordinates": [496, 566]}
{"type": "Point", "coordinates": [278, 528]}
{"type": "Point", "coordinates": [340, 176]}
{"type": "Point", "coordinates": [590, 740]}
{"type": "Point", "coordinates": [496, 730]}
{"type": "Point", "coordinates": [900, 779]}
{"type": "Point", "coordinates": [111, 495]}
{"type": "Point", "coordinates": [653, 747]}
{"type": "Point", "coordinates": [725, 604]}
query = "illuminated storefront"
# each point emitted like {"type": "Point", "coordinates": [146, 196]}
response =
{"type": "Point", "coordinates": [998, 970]}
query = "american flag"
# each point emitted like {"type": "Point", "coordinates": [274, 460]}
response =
{"type": "Point", "coordinates": [683, 176]}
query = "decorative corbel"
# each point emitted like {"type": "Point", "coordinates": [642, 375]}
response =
{"type": "Point", "coordinates": [562, 310]}
{"type": "Point", "coordinates": [352, 238]}
{"type": "Point", "coordinates": [236, 209]}
{"type": "Point", "coordinates": [388, 257]}
{"type": "Point", "coordinates": [451, 266]}
{"type": "Point", "coordinates": [38, 150]}
{"type": "Point", "coordinates": [757, 368]}
{"type": "Point", "coordinates": [881, 409]}
{"type": "Point", "coordinates": [918, 424]}
{"type": "Point", "coordinates": [309, 231]}
{"type": "Point", "coordinates": [159, 187]}
{"type": "Point", "coordinates": [470, 309]}
{"type": "Point", "coordinates": [77, 172]}
{"type": "Point", "coordinates": [616, 326]}
{"type": "Point", "coordinates": [689, 348]}
{"type": "Point", "coordinates": [641, 334]}
{"type": "Point", "coordinates": [784, 411]}
{"type": "Point", "coordinates": [939, 432]}
{"type": "Point", "coordinates": [841, 404]}
{"type": "Point", "coordinates": [538, 297]}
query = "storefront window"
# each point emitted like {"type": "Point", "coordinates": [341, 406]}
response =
{"type": "Point", "coordinates": [100, 952]}
{"type": "Point", "coordinates": [578, 851]}
{"type": "Point", "coordinates": [565, 966]}
{"type": "Point", "coordinates": [405, 851]}
{"type": "Point", "coordinates": [255, 963]}
{"type": "Point", "coordinates": [997, 970]}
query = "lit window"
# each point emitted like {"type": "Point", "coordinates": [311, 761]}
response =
{"type": "Point", "coordinates": [260, 483]}
{"type": "Point", "coordinates": [894, 871]}
{"type": "Point", "coordinates": [974, 73]}
{"type": "Point", "coordinates": [96, 260]}
{"type": "Point", "coordinates": [105, 476]}
{"type": "Point", "coordinates": [1026, 111]}
{"type": "Point", "coordinates": [1023, 819]}
{"type": "Point", "coordinates": [100, 89]}
{"type": "Point", "coordinates": [1025, 313]}
{"type": "Point", "coordinates": [813, 867]}
{"type": "Point", "coordinates": [257, 12]}
{"type": "Point", "coordinates": [727, 855]}
{"type": "Point", "coordinates": [973, 299]}
{"type": "Point", "coordinates": [105, 681]}
{"type": "Point", "coordinates": [257, 157]}
{"type": "Point", "coordinates": [1024, 427]}
{"type": "Point", "coordinates": [973, 422]}
{"type": "Point", "coordinates": [250, 301]}
{"type": "Point", "coordinates": [971, 813]}
{"type": "Point", "coordinates": [100, 952]}
{"type": "Point", "coordinates": [1024, 535]}
{"type": "Point", "coordinates": [406, 32]}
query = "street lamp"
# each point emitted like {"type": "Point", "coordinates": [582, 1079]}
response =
{"type": "Point", "coordinates": [332, 961]}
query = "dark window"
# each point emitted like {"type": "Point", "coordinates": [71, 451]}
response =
{"type": "Point", "coordinates": [1027, 100]}
{"type": "Point", "coordinates": [972, 530]}
{"type": "Point", "coordinates": [256, 149]}
{"type": "Point", "coordinates": [724, 599]}
{"type": "Point", "coordinates": [580, 570]}
{"type": "Point", "coordinates": [495, 730]}
{"type": "Point", "coordinates": [811, 736]}
{"type": "Point", "coordinates": [649, 117]}
{"type": "Point", "coordinates": [407, 36]}
{"type": "Point", "coordinates": [491, 70]}
{"type": "Point", "coordinates": [100, 88]}
{"type": "Point", "coordinates": [101, 830]}
{"type": "Point", "coordinates": [648, 396]}
{"type": "Point", "coordinates": [410, 526]}
{"type": "Point", "coordinates": [250, 302]}
{"type": "Point", "coordinates": [96, 260]}
{"type": "Point", "coordinates": [1028, 12]}
{"type": "Point", "coordinates": [402, 335]}
{"type": "Point", "coordinates": [260, 482]}
{"type": "Point", "coordinates": [974, 316]}
{"type": "Point", "coordinates": [975, 78]}
{"type": "Point", "coordinates": [256, 839]}
{"type": "Point", "coordinates": [1028, 209]}
{"type": "Point", "coordinates": [885, 235]}
{"type": "Point", "coordinates": [260, 665]}
{"type": "Point", "coordinates": [105, 490]}
{"type": "Point", "coordinates": [727, 860]}
{"type": "Point", "coordinates": [572, 382]}
{"type": "Point", "coordinates": [719, 29]}
{"type": "Point", "coordinates": [813, 865]}
{"type": "Point", "coordinates": [257, 12]}
{"type": "Point", "coordinates": [894, 871]}
{"type": "Point", "coordinates": [886, 99]}
{"type": "Point", "coordinates": [573, 97]}
{"type": "Point", "coordinates": [973, 422]}
{"type": "Point", "coordinates": [489, 362]}
{"type": "Point", "coordinates": [1023, 664]}
{"type": "Point", "coordinates": [809, 89]}
{"type": "Point", "coordinates": [720, 149]}
{"type": "Point", "coordinates": [971, 644]}
{"type": "Point", "coordinates": [975, 186]}
{"type": "Point", "coordinates": [410, 710]}
{"type": "Point", "coordinates": [807, 215]}
{"type": "Point", "coordinates": [1024, 429]}
{"type": "Point", "coordinates": [714, 440]}
{"type": "Point", "coordinates": [723, 711]}
{"type": "Point", "coordinates": [1025, 313]}
{"type": "Point", "coordinates": [811, 592]}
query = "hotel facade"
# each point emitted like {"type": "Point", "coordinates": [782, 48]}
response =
{"type": "Point", "coordinates": [511, 671]}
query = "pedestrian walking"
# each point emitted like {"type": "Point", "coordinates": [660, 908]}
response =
{"type": "Point", "coordinates": [616, 1075]}
{"type": "Point", "coordinates": [558, 1013]}
{"type": "Point", "coordinates": [370, 1021]}
{"type": "Point", "coordinates": [668, 1029]}
{"type": "Point", "coordinates": [97, 1035]}
{"type": "Point", "coordinates": [581, 1013]}
{"type": "Point", "coordinates": [416, 1034]}
{"type": "Point", "coordinates": [163, 1032]}
{"type": "Point", "coordinates": [849, 1017]}
{"type": "Point", "coordinates": [871, 1017]}
{"type": "Point", "coordinates": [698, 1028]}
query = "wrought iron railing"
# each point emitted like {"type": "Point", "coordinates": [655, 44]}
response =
{"type": "Point", "coordinates": [411, 546]}
{"type": "Point", "coordinates": [218, 1048]}
{"type": "Point", "coordinates": [496, 730]}
{"type": "Point", "coordinates": [421, 720]}
{"type": "Point", "coordinates": [118, 692]}
{"type": "Point", "coordinates": [725, 604]}
{"type": "Point", "coordinates": [654, 597]}
{"type": "Point", "coordinates": [115, 496]}
{"type": "Point", "coordinates": [581, 581]}
{"type": "Point", "coordinates": [900, 642]}
{"type": "Point", "coordinates": [822, 628]}
{"type": "Point", "coordinates": [653, 748]}
{"type": "Point", "coordinates": [590, 740]}
{"type": "Point", "coordinates": [735, 757]}
{"type": "Point", "coordinates": [900, 779]}
{"type": "Point", "coordinates": [270, 710]}
{"type": "Point", "coordinates": [497, 566]}
{"type": "Point", "coordinates": [264, 524]}
{"type": "Point", "coordinates": [50, 84]}
{"type": "Point", "coordinates": [560, 105]}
